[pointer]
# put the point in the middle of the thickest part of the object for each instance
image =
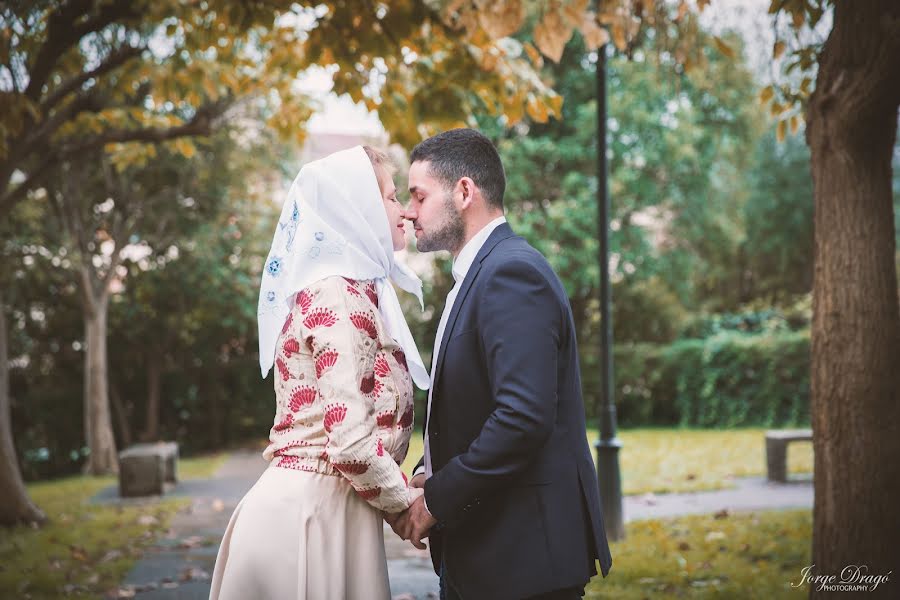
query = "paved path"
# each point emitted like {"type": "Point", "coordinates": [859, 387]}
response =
{"type": "Point", "coordinates": [179, 565]}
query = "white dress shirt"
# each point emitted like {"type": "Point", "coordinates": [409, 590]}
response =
{"type": "Point", "coordinates": [461, 266]}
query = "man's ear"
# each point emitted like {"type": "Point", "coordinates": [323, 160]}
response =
{"type": "Point", "coordinates": [467, 188]}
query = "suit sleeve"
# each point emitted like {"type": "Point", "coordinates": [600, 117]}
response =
{"type": "Point", "coordinates": [520, 320]}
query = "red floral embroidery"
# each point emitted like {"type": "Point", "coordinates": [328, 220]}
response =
{"type": "Point", "coordinates": [334, 414]}
{"type": "Point", "coordinates": [350, 281]}
{"type": "Point", "coordinates": [302, 397]}
{"type": "Point", "coordinates": [370, 493]}
{"type": "Point", "coordinates": [287, 323]}
{"type": "Point", "coordinates": [289, 462]}
{"type": "Point", "coordinates": [304, 301]}
{"type": "Point", "coordinates": [372, 294]}
{"type": "Point", "coordinates": [379, 448]}
{"type": "Point", "coordinates": [284, 424]}
{"type": "Point", "coordinates": [352, 468]}
{"type": "Point", "coordinates": [376, 391]}
{"type": "Point", "coordinates": [382, 368]}
{"type": "Point", "coordinates": [291, 346]}
{"type": "Point", "coordinates": [367, 384]}
{"type": "Point", "coordinates": [405, 480]}
{"type": "Point", "coordinates": [365, 324]}
{"type": "Point", "coordinates": [406, 420]}
{"type": "Point", "coordinates": [320, 317]}
{"type": "Point", "coordinates": [290, 445]}
{"type": "Point", "coordinates": [282, 368]}
{"type": "Point", "coordinates": [353, 291]}
{"type": "Point", "coordinates": [400, 357]}
{"type": "Point", "coordinates": [325, 361]}
{"type": "Point", "coordinates": [385, 419]}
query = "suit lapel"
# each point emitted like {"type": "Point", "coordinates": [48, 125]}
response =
{"type": "Point", "coordinates": [499, 234]}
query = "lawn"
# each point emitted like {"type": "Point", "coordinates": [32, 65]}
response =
{"type": "Point", "coordinates": [85, 549]}
{"type": "Point", "coordinates": [748, 555]}
{"type": "Point", "coordinates": [683, 460]}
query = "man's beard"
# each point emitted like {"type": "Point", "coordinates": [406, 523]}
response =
{"type": "Point", "coordinates": [450, 235]}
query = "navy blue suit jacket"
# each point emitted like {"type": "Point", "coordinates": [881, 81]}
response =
{"type": "Point", "coordinates": [514, 488]}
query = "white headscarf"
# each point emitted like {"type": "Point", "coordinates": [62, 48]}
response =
{"type": "Point", "coordinates": [333, 223]}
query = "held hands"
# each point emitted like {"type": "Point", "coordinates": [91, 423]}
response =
{"type": "Point", "coordinates": [414, 523]}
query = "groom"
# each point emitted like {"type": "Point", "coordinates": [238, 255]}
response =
{"type": "Point", "coordinates": [511, 505]}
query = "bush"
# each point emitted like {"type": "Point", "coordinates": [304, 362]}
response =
{"type": "Point", "coordinates": [727, 380]}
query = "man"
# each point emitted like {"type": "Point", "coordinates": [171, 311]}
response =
{"type": "Point", "coordinates": [511, 505]}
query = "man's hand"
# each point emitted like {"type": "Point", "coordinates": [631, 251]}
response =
{"type": "Point", "coordinates": [417, 523]}
{"type": "Point", "coordinates": [418, 481]}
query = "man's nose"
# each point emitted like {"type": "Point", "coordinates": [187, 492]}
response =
{"type": "Point", "coordinates": [409, 214]}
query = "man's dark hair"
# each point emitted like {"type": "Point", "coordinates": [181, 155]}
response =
{"type": "Point", "coordinates": [462, 153]}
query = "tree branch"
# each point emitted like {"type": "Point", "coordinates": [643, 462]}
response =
{"type": "Point", "coordinates": [63, 33]}
{"type": "Point", "coordinates": [202, 124]}
{"type": "Point", "coordinates": [115, 59]}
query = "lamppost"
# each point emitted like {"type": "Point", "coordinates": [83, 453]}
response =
{"type": "Point", "coordinates": [608, 446]}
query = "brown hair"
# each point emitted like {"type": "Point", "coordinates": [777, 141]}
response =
{"type": "Point", "coordinates": [380, 160]}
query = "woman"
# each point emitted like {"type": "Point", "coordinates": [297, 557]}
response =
{"type": "Point", "coordinates": [330, 321]}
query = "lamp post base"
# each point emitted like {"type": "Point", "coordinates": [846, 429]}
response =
{"type": "Point", "coordinates": [610, 487]}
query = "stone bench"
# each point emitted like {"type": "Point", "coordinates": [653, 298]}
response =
{"type": "Point", "coordinates": [777, 441]}
{"type": "Point", "coordinates": [146, 469]}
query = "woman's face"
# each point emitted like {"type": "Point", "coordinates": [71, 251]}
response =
{"type": "Point", "coordinates": [393, 209]}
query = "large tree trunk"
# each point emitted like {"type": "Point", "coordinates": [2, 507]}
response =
{"type": "Point", "coordinates": [98, 432]}
{"type": "Point", "coordinates": [855, 378]}
{"type": "Point", "coordinates": [154, 380]}
{"type": "Point", "coordinates": [15, 506]}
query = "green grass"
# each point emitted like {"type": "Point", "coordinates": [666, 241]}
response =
{"type": "Point", "coordinates": [85, 550]}
{"type": "Point", "coordinates": [682, 460]}
{"type": "Point", "coordinates": [202, 466]}
{"type": "Point", "coordinates": [748, 555]}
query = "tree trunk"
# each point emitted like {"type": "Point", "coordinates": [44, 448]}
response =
{"type": "Point", "coordinates": [154, 377]}
{"type": "Point", "coordinates": [15, 505]}
{"type": "Point", "coordinates": [98, 432]}
{"type": "Point", "coordinates": [118, 407]}
{"type": "Point", "coordinates": [855, 377]}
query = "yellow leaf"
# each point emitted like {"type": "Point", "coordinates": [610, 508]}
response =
{"type": "Point", "coordinates": [798, 18]}
{"type": "Point", "coordinates": [804, 85]}
{"type": "Point", "coordinates": [618, 35]}
{"type": "Point", "coordinates": [778, 49]}
{"type": "Point", "coordinates": [574, 11]}
{"type": "Point", "coordinates": [723, 47]}
{"type": "Point", "coordinates": [556, 103]}
{"type": "Point", "coordinates": [534, 55]}
{"type": "Point", "coordinates": [766, 94]}
{"type": "Point", "coordinates": [776, 109]}
{"type": "Point", "coordinates": [537, 110]}
{"type": "Point", "coordinates": [701, 4]}
{"type": "Point", "coordinates": [551, 35]}
{"type": "Point", "coordinates": [795, 123]}
{"type": "Point", "coordinates": [501, 19]}
{"type": "Point", "coordinates": [594, 35]}
{"type": "Point", "coordinates": [780, 131]}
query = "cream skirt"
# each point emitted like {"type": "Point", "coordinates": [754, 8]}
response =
{"type": "Point", "coordinates": [302, 536]}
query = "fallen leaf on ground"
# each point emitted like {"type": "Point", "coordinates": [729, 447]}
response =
{"type": "Point", "coordinates": [147, 520]}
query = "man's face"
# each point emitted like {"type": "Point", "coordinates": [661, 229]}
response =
{"type": "Point", "coordinates": [438, 222]}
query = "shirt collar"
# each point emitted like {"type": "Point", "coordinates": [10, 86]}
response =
{"type": "Point", "coordinates": [467, 255]}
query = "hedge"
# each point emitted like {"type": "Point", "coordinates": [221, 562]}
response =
{"type": "Point", "coordinates": [727, 380]}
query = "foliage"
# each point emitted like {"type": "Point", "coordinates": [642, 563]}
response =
{"type": "Point", "coordinates": [124, 76]}
{"type": "Point", "coordinates": [727, 380]}
{"type": "Point", "coordinates": [745, 555]}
